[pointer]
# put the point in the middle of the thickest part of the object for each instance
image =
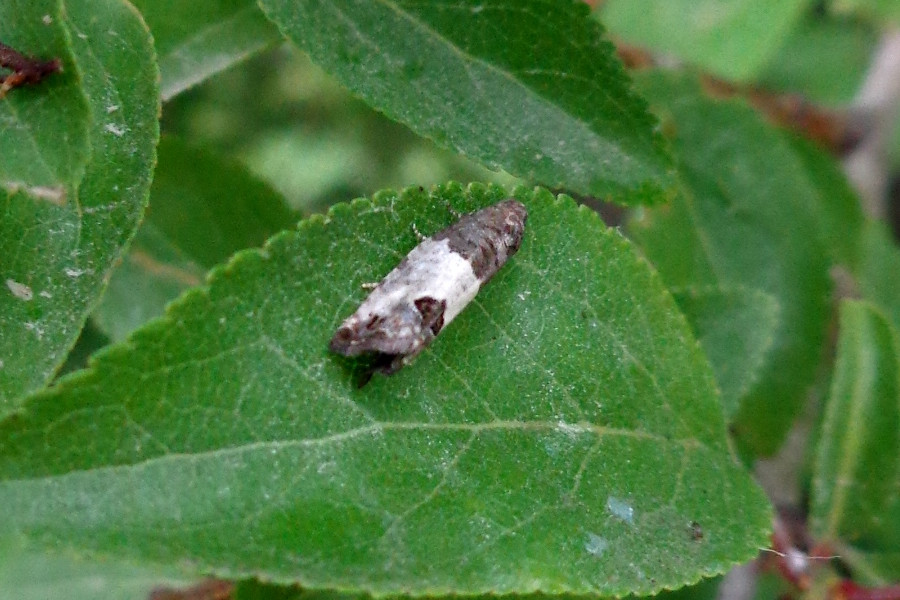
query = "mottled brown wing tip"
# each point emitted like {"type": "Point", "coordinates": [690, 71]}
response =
{"type": "Point", "coordinates": [517, 209]}
{"type": "Point", "coordinates": [513, 205]}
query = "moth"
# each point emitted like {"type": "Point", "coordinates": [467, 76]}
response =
{"type": "Point", "coordinates": [425, 292]}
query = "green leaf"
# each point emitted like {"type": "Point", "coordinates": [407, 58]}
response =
{"type": "Point", "coordinates": [836, 206]}
{"type": "Point", "coordinates": [210, 206]}
{"type": "Point", "coordinates": [823, 58]}
{"type": "Point", "coordinates": [89, 341]}
{"type": "Point", "coordinates": [29, 574]}
{"type": "Point", "coordinates": [62, 228]}
{"type": "Point", "coordinates": [563, 434]}
{"type": "Point", "coordinates": [736, 327]}
{"type": "Point", "coordinates": [873, 9]}
{"type": "Point", "coordinates": [195, 40]}
{"type": "Point", "coordinates": [731, 38]}
{"type": "Point", "coordinates": [878, 268]}
{"type": "Point", "coordinates": [751, 215]}
{"type": "Point", "coordinates": [202, 209]}
{"type": "Point", "coordinates": [254, 590]}
{"type": "Point", "coordinates": [44, 137]}
{"type": "Point", "coordinates": [522, 85]}
{"type": "Point", "coordinates": [152, 274]}
{"type": "Point", "coordinates": [707, 589]}
{"type": "Point", "coordinates": [855, 500]}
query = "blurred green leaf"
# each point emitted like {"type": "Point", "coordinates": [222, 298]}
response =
{"type": "Point", "coordinates": [65, 220]}
{"type": "Point", "coordinates": [824, 59]}
{"type": "Point", "coordinates": [152, 274]}
{"type": "Point", "coordinates": [209, 206]}
{"type": "Point", "coordinates": [89, 341]}
{"type": "Point", "coordinates": [195, 40]}
{"type": "Point", "coordinates": [518, 85]}
{"type": "Point", "coordinates": [310, 138]}
{"type": "Point", "coordinates": [563, 434]}
{"type": "Point", "coordinates": [855, 504]}
{"type": "Point", "coordinates": [872, 9]}
{"type": "Point", "coordinates": [736, 327]}
{"type": "Point", "coordinates": [706, 589]}
{"type": "Point", "coordinates": [750, 216]}
{"type": "Point", "coordinates": [252, 589]}
{"type": "Point", "coordinates": [202, 209]}
{"type": "Point", "coordinates": [732, 38]}
{"type": "Point", "coordinates": [878, 270]}
{"type": "Point", "coordinates": [837, 207]}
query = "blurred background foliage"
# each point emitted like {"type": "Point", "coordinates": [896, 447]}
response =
{"type": "Point", "coordinates": [297, 129]}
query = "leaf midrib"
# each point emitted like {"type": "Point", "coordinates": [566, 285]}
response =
{"type": "Point", "coordinates": [378, 428]}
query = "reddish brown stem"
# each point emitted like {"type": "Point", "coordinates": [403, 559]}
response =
{"type": "Point", "coordinates": [25, 69]}
{"type": "Point", "coordinates": [211, 589]}
{"type": "Point", "coordinates": [847, 590]}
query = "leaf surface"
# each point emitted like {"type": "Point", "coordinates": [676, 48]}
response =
{"type": "Point", "coordinates": [751, 216]}
{"type": "Point", "coordinates": [878, 267]}
{"type": "Point", "coordinates": [29, 574]}
{"type": "Point", "coordinates": [855, 498]}
{"type": "Point", "coordinates": [528, 86]}
{"type": "Point", "coordinates": [732, 38]}
{"type": "Point", "coordinates": [195, 40]}
{"type": "Point", "coordinates": [836, 205]}
{"type": "Point", "coordinates": [64, 222]}
{"type": "Point", "coordinates": [824, 59]}
{"type": "Point", "coordinates": [563, 434]}
{"type": "Point", "coordinates": [736, 327]}
{"type": "Point", "coordinates": [202, 209]}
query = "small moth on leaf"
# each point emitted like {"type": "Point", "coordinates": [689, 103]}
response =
{"type": "Point", "coordinates": [432, 285]}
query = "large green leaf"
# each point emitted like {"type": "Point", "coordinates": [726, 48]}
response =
{"type": "Point", "coordinates": [195, 40]}
{"type": "Point", "coordinates": [72, 201]}
{"type": "Point", "coordinates": [563, 434]}
{"type": "Point", "coordinates": [732, 38]}
{"type": "Point", "coordinates": [855, 498]}
{"type": "Point", "coordinates": [202, 209]}
{"type": "Point", "coordinates": [528, 86]}
{"type": "Point", "coordinates": [751, 215]}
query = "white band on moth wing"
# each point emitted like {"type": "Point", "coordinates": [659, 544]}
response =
{"type": "Point", "coordinates": [442, 274]}
{"type": "Point", "coordinates": [432, 270]}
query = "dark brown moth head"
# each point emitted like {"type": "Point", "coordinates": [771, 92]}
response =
{"type": "Point", "coordinates": [404, 331]}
